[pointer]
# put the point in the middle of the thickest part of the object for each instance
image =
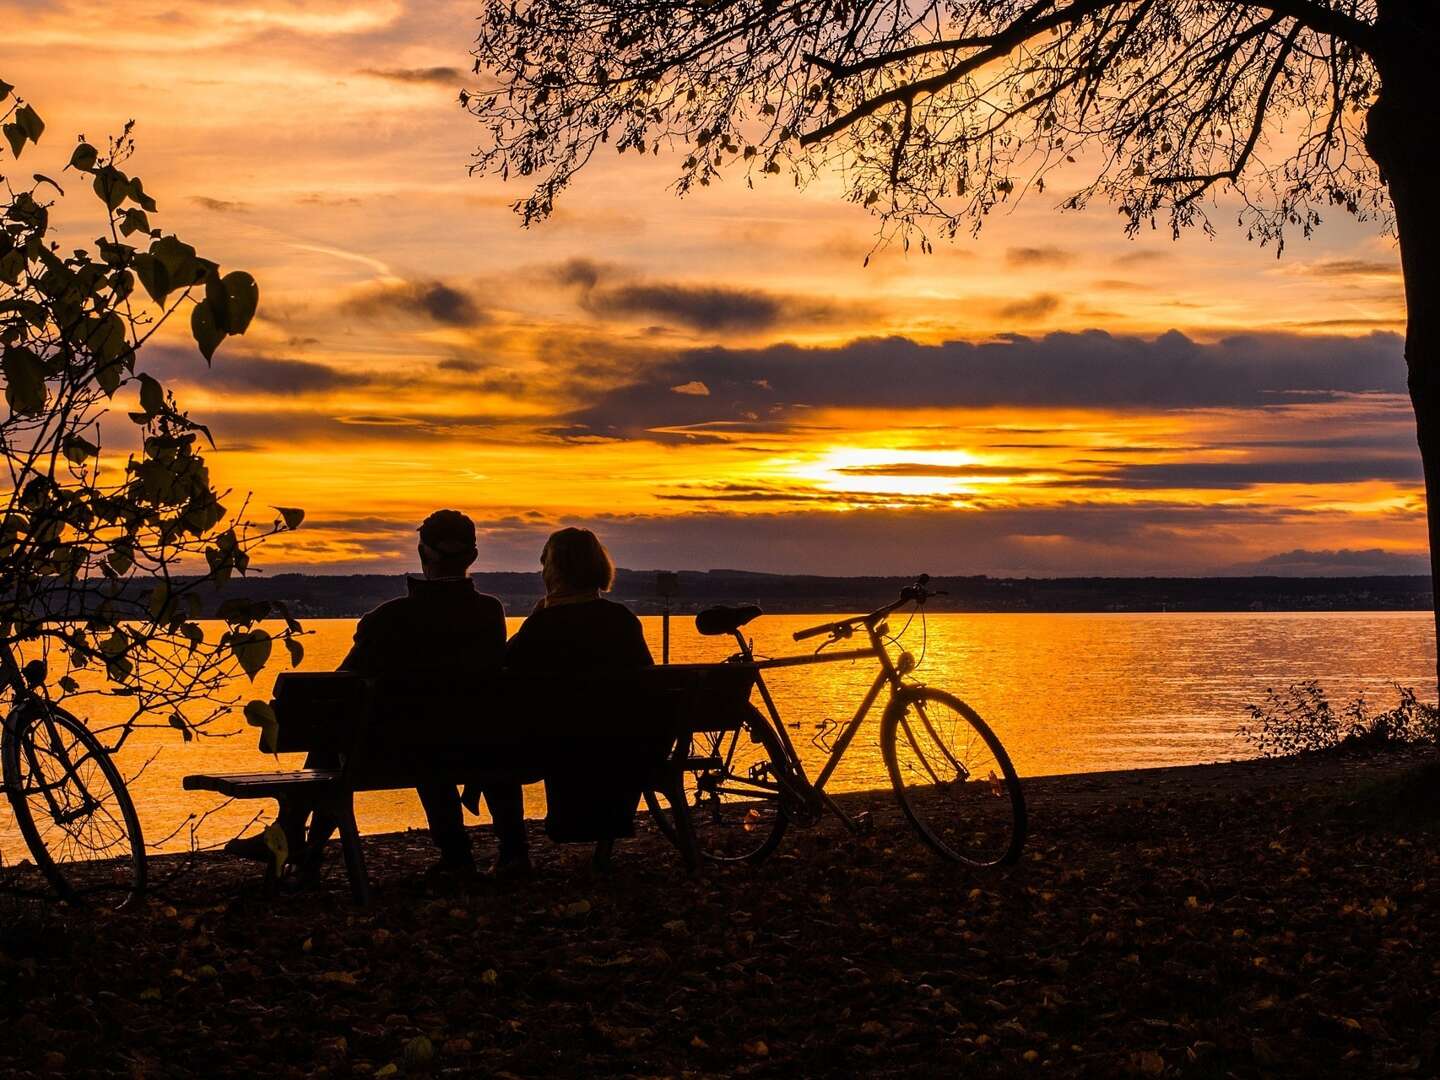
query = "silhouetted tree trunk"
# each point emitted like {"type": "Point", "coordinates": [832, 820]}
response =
{"type": "Point", "coordinates": [1401, 138]}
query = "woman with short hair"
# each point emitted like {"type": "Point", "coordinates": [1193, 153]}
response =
{"type": "Point", "coordinates": [574, 627]}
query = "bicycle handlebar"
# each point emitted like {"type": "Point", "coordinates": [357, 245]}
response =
{"type": "Point", "coordinates": [816, 631]}
{"type": "Point", "coordinates": [916, 593]}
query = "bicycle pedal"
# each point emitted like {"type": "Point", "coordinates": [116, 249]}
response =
{"type": "Point", "coordinates": [804, 817]}
{"type": "Point", "coordinates": [864, 823]}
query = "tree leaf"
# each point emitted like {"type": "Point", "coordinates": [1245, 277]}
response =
{"type": "Point", "coordinates": [152, 396]}
{"type": "Point", "coordinates": [259, 714]}
{"type": "Point", "coordinates": [291, 515]}
{"type": "Point", "coordinates": [41, 178]}
{"type": "Point", "coordinates": [15, 136]}
{"type": "Point", "coordinates": [107, 374]}
{"type": "Point", "coordinates": [179, 259]}
{"type": "Point", "coordinates": [153, 275]}
{"type": "Point", "coordinates": [179, 724]}
{"type": "Point", "coordinates": [217, 301]}
{"type": "Point", "coordinates": [78, 449]}
{"type": "Point", "coordinates": [30, 122]}
{"type": "Point", "coordinates": [207, 335]}
{"type": "Point", "coordinates": [244, 296]}
{"type": "Point", "coordinates": [84, 157]}
{"type": "Point", "coordinates": [296, 651]}
{"type": "Point", "coordinates": [24, 380]}
{"type": "Point", "coordinates": [133, 221]}
{"type": "Point", "coordinates": [251, 648]}
{"type": "Point", "coordinates": [110, 184]}
{"type": "Point", "coordinates": [275, 838]}
{"type": "Point", "coordinates": [137, 194]}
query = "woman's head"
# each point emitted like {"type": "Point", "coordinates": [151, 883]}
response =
{"type": "Point", "coordinates": [575, 561]}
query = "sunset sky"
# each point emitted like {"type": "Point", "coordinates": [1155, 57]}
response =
{"type": "Point", "coordinates": [717, 381]}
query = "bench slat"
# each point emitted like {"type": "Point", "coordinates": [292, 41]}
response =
{"type": "Point", "coordinates": [257, 785]}
{"type": "Point", "coordinates": [321, 710]}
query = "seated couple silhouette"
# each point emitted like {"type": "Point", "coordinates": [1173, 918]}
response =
{"type": "Point", "coordinates": [444, 627]}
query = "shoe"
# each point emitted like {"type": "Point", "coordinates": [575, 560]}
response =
{"type": "Point", "coordinates": [452, 866]}
{"type": "Point", "coordinates": [509, 868]}
{"type": "Point", "coordinates": [253, 848]}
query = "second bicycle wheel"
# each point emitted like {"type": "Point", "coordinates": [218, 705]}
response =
{"type": "Point", "coordinates": [953, 778]}
{"type": "Point", "coordinates": [731, 786]}
{"type": "Point", "coordinates": [72, 806]}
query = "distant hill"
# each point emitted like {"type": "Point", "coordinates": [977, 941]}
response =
{"type": "Point", "coordinates": [325, 596]}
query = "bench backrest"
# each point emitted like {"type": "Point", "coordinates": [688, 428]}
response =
{"type": "Point", "coordinates": [335, 711]}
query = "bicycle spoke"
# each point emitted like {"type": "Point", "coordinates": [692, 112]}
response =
{"type": "Point", "coordinates": [736, 806]}
{"type": "Point", "coordinates": [72, 808]}
{"type": "Point", "coordinates": [953, 779]}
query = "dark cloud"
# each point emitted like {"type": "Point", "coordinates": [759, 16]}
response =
{"type": "Point", "coordinates": [1234, 475]}
{"type": "Point", "coordinates": [1030, 308]}
{"type": "Point", "coordinates": [781, 384]}
{"type": "Point", "coordinates": [461, 364]}
{"type": "Point", "coordinates": [220, 206]}
{"type": "Point", "coordinates": [584, 273]}
{"type": "Point", "coordinates": [253, 374]}
{"type": "Point", "coordinates": [1142, 258]}
{"type": "Point", "coordinates": [1039, 256]}
{"type": "Point", "coordinates": [1342, 563]}
{"type": "Point", "coordinates": [1074, 538]}
{"type": "Point", "coordinates": [1401, 439]}
{"type": "Point", "coordinates": [1351, 268]}
{"type": "Point", "coordinates": [434, 301]}
{"type": "Point", "coordinates": [701, 308]}
{"type": "Point", "coordinates": [445, 75]}
{"type": "Point", "coordinates": [605, 292]}
{"type": "Point", "coordinates": [288, 426]}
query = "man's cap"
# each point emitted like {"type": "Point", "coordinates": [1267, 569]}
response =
{"type": "Point", "coordinates": [448, 532]}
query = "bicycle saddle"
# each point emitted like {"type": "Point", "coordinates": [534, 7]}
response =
{"type": "Point", "coordinates": [722, 619]}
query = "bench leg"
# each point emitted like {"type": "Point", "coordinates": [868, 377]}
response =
{"type": "Point", "coordinates": [600, 861]}
{"type": "Point", "coordinates": [684, 827]}
{"type": "Point", "coordinates": [354, 856]}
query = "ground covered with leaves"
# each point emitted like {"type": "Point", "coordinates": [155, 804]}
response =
{"type": "Point", "coordinates": [1259, 919]}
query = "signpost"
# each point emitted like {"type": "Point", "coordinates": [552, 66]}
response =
{"type": "Point", "coordinates": [667, 585]}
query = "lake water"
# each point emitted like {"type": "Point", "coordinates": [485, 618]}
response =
{"type": "Point", "coordinates": [1065, 693]}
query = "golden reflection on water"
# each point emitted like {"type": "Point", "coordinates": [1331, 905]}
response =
{"type": "Point", "coordinates": [1065, 693]}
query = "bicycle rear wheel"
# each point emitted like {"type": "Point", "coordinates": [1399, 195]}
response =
{"type": "Point", "coordinates": [72, 807]}
{"type": "Point", "coordinates": [736, 806]}
{"type": "Point", "coordinates": [952, 778]}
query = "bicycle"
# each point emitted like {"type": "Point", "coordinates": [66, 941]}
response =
{"type": "Point", "coordinates": [70, 801]}
{"type": "Point", "coordinates": [951, 775]}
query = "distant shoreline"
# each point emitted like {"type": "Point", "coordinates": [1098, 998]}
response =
{"type": "Point", "coordinates": [349, 596]}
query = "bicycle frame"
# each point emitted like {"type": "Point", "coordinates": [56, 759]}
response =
{"type": "Point", "coordinates": [813, 792]}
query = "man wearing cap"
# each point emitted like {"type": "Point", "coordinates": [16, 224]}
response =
{"type": "Point", "coordinates": [442, 628]}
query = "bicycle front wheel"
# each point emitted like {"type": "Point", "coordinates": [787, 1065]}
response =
{"type": "Point", "coordinates": [72, 807]}
{"type": "Point", "coordinates": [952, 778]}
{"type": "Point", "coordinates": [732, 786]}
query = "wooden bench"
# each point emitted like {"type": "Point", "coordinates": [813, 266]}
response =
{"type": "Point", "coordinates": [395, 733]}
